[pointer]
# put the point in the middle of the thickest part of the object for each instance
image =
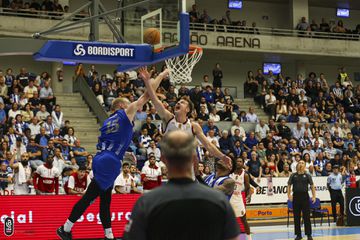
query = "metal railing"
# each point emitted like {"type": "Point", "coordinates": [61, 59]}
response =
{"type": "Point", "coordinates": [130, 20]}
{"type": "Point", "coordinates": [80, 85]}
{"type": "Point", "coordinates": [250, 30]}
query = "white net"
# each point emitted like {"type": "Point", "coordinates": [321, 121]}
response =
{"type": "Point", "coordinates": [181, 67]}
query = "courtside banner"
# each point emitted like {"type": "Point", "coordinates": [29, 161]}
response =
{"type": "Point", "coordinates": [38, 217]}
{"type": "Point", "coordinates": [279, 190]}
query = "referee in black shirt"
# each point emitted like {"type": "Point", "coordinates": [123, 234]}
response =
{"type": "Point", "coordinates": [300, 198]}
{"type": "Point", "coordinates": [183, 209]}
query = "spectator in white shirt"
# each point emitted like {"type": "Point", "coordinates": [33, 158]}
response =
{"type": "Point", "coordinates": [251, 116]}
{"type": "Point", "coordinates": [270, 103]}
{"type": "Point", "coordinates": [214, 116]}
{"type": "Point", "coordinates": [261, 130]}
{"type": "Point", "coordinates": [49, 126]}
{"type": "Point", "coordinates": [30, 89]}
{"type": "Point", "coordinates": [237, 126]}
{"type": "Point", "coordinates": [124, 183]}
{"type": "Point", "coordinates": [212, 138]}
{"type": "Point", "coordinates": [18, 149]}
{"type": "Point", "coordinates": [337, 128]}
{"type": "Point", "coordinates": [154, 150]}
{"type": "Point", "coordinates": [34, 127]}
{"type": "Point", "coordinates": [58, 117]}
{"type": "Point", "coordinates": [42, 114]}
{"type": "Point", "coordinates": [298, 131]}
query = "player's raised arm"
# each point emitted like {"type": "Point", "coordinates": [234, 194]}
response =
{"type": "Point", "coordinates": [163, 112]}
{"type": "Point", "coordinates": [208, 145]}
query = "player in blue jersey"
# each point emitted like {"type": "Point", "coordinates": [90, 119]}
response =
{"type": "Point", "coordinates": [221, 180]}
{"type": "Point", "coordinates": [115, 138]}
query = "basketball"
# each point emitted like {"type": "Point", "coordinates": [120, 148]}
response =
{"type": "Point", "coordinates": [152, 36]}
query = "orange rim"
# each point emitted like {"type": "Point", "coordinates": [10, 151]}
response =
{"type": "Point", "coordinates": [193, 48]}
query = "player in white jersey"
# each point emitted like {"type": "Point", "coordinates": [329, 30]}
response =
{"type": "Point", "coordinates": [180, 120]}
{"type": "Point", "coordinates": [242, 187]}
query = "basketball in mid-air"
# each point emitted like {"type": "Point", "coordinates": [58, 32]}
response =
{"type": "Point", "coordinates": [152, 36]}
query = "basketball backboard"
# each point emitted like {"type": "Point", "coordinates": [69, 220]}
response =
{"type": "Point", "coordinates": [128, 55]}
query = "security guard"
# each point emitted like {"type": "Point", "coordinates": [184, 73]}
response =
{"type": "Point", "coordinates": [300, 198]}
{"type": "Point", "coordinates": [335, 183]}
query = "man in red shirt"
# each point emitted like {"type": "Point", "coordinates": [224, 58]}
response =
{"type": "Point", "coordinates": [46, 178]}
{"type": "Point", "coordinates": [78, 182]}
{"type": "Point", "coordinates": [151, 175]}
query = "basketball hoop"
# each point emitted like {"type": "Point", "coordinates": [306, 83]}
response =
{"type": "Point", "coordinates": [181, 67]}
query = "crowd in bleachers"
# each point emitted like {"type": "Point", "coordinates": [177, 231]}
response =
{"type": "Point", "coordinates": [20, 6]}
{"type": "Point", "coordinates": [326, 27]}
{"type": "Point", "coordinates": [325, 120]}
{"type": "Point", "coordinates": [34, 131]}
{"type": "Point", "coordinates": [310, 119]}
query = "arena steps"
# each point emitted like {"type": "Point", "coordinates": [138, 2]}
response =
{"type": "Point", "coordinates": [246, 103]}
{"type": "Point", "coordinates": [84, 122]}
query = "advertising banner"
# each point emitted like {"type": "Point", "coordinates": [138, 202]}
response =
{"type": "Point", "coordinates": [38, 217]}
{"type": "Point", "coordinates": [279, 191]}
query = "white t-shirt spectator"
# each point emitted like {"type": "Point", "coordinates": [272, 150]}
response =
{"type": "Point", "coordinates": [156, 152]}
{"type": "Point", "coordinates": [214, 140]}
{"type": "Point", "coordinates": [35, 129]}
{"type": "Point", "coordinates": [252, 117]}
{"type": "Point", "coordinates": [13, 113]}
{"type": "Point", "coordinates": [261, 131]}
{"type": "Point", "coordinates": [29, 91]}
{"type": "Point", "coordinates": [270, 99]}
{"type": "Point", "coordinates": [125, 184]}
{"type": "Point", "coordinates": [242, 131]}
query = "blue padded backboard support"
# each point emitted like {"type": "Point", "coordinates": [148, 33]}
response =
{"type": "Point", "coordinates": [129, 56]}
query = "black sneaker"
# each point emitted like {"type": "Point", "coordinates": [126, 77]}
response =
{"type": "Point", "coordinates": [309, 237]}
{"type": "Point", "coordinates": [62, 234]}
{"type": "Point", "coordinates": [298, 238]}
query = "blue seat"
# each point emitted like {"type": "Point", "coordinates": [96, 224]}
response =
{"type": "Point", "coordinates": [316, 210]}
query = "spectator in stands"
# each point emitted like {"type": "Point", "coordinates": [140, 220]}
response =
{"type": "Point", "coordinates": [324, 26]}
{"type": "Point", "coordinates": [46, 178]}
{"type": "Point", "coordinates": [206, 82]}
{"type": "Point", "coordinates": [237, 126]}
{"type": "Point", "coordinates": [153, 115]}
{"type": "Point", "coordinates": [3, 89]}
{"type": "Point", "coordinates": [327, 169]}
{"type": "Point", "coordinates": [210, 126]}
{"type": "Point", "coordinates": [22, 174]}
{"type": "Point", "coordinates": [70, 136]}
{"type": "Point", "coordinates": [218, 75]}
{"type": "Point", "coordinates": [229, 19]}
{"type": "Point", "coordinates": [194, 14]}
{"type": "Point", "coordinates": [153, 149]}
{"type": "Point", "coordinates": [250, 141]}
{"type": "Point", "coordinates": [49, 126]}
{"type": "Point", "coordinates": [251, 116]}
{"type": "Point", "coordinates": [47, 96]}
{"type": "Point", "coordinates": [151, 128]}
{"type": "Point", "coordinates": [97, 89]}
{"type": "Point", "coordinates": [30, 89]}
{"type": "Point", "coordinates": [253, 167]}
{"type": "Point", "coordinates": [57, 117]}
{"type": "Point", "coordinates": [18, 148]}
{"type": "Point", "coordinates": [270, 103]}
{"type": "Point", "coordinates": [212, 138]}
{"type": "Point", "coordinates": [124, 183]}
{"type": "Point", "coordinates": [43, 113]}
{"type": "Point", "coordinates": [78, 182]}
{"type": "Point", "coordinates": [151, 175]}
{"type": "Point", "coordinates": [225, 143]}
{"type": "Point", "coordinates": [79, 154]}
{"type": "Point", "coordinates": [284, 130]}
{"type": "Point", "coordinates": [339, 28]}
{"type": "Point", "coordinates": [205, 18]}
{"type": "Point", "coordinates": [261, 130]}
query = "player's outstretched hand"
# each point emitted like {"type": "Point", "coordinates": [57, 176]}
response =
{"type": "Point", "coordinates": [227, 161]}
{"type": "Point", "coordinates": [144, 74]}
{"type": "Point", "coordinates": [165, 73]}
